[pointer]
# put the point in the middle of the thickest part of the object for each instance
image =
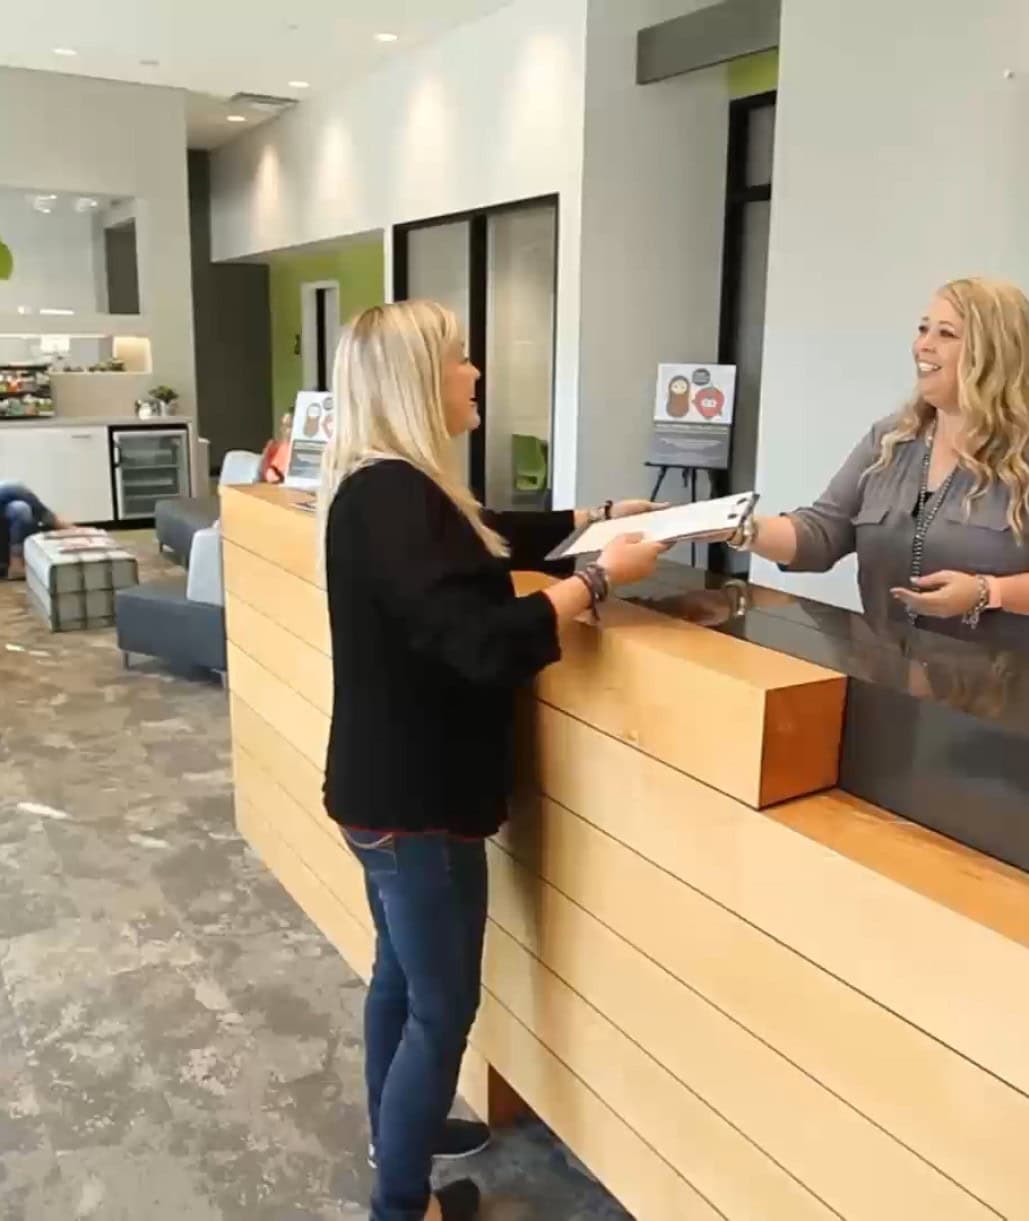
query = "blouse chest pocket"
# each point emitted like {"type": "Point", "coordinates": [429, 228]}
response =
{"type": "Point", "coordinates": [979, 538]}
{"type": "Point", "coordinates": [872, 510]}
{"type": "Point", "coordinates": [987, 513]}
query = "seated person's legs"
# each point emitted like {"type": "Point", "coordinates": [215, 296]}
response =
{"type": "Point", "coordinates": [21, 522]}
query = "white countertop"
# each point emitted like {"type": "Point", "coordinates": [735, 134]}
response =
{"type": "Point", "coordinates": [92, 422]}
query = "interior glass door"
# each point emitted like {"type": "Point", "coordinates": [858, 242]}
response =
{"type": "Point", "coordinates": [521, 298]}
{"type": "Point", "coordinates": [439, 269]}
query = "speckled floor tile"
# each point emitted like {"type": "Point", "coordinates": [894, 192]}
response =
{"type": "Point", "coordinates": [176, 1039]}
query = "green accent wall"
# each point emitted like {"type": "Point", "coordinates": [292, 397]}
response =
{"type": "Point", "coordinates": [752, 74]}
{"type": "Point", "coordinates": [358, 268]}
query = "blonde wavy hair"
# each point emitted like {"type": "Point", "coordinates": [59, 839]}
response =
{"type": "Point", "coordinates": [388, 392]}
{"type": "Point", "coordinates": [993, 393]}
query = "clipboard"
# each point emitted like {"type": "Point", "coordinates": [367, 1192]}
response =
{"type": "Point", "coordinates": [708, 521]}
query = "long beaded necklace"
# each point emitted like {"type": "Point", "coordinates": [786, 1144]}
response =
{"type": "Point", "coordinates": [929, 504]}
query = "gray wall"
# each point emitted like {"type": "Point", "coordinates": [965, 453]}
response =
{"type": "Point", "coordinates": [232, 326]}
{"type": "Point", "coordinates": [652, 227]}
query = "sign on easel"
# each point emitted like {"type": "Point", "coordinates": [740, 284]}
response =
{"type": "Point", "coordinates": [693, 414]}
{"type": "Point", "coordinates": [313, 428]}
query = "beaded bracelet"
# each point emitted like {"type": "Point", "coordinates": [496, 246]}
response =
{"type": "Point", "coordinates": [597, 586]}
{"type": "Point", "coordinates": [971, 618]}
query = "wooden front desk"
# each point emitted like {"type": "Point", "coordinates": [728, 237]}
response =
{"type": "Point", "coordinates": [731, 990]}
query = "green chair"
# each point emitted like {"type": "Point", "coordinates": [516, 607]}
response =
{"type": "Point", "coordinates": [528, 465]}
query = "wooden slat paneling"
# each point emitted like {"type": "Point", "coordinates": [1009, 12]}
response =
{"type": "Point", "coordinates": [285, 599]}
{"type": "Point", "coordinates": [938, 1103]}
{"type": "Point", "coordinates": [965, 985]}
{"type": "Point", "coordinates": [729, 1074]}
{"type": "Point", "coordinates": [815, 1135]}
{"type": "Point", "coordinates": [261, 519]}
{"type": "Point", "coordinates": [289, 659]}
{"type": "Point", "coordinates": [720, 1161]}
{"type": "Point", "coordinates": [313, 838]}
{"type": "Point", "coordinates": [288, 767]}
{"type": "Point", "coordinates": [289, 714]}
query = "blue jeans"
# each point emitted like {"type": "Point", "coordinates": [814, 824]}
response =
{"type": "Point", "coordinates": [428, 896]}
{"type": "Point", "coordinates": [24, 513]}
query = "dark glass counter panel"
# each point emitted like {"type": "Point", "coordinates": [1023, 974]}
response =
{"type": "Point", "coordinates": [937, 726]}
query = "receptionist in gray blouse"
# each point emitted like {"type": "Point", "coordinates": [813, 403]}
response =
{"type": "Point", "coordinates": [935, 499]}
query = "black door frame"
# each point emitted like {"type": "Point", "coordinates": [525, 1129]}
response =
{"type": "Point", "coordinates": [478, 288]}
{"type": "Point", "coordinates": [738, 195]}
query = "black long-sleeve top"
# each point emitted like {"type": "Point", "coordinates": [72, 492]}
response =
{"type": "Point", "coordinates": [429, 645]}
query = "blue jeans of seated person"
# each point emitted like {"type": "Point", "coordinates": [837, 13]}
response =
{"type": "Point", "coordinates": [23, 514]}
{"type": "Point", "coordinates": [428, 897]}
{"type": "Point", "coordinates": [24, 511]}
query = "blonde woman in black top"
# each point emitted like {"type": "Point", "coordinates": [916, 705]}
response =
{"type": "Point", "coordinates": [429, 645]}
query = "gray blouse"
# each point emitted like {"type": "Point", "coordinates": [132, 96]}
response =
{"type": "Point", "coordinates": [875, 516]}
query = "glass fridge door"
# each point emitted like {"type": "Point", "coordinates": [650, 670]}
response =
{"type": "Point", "coordinates": [151, 464]}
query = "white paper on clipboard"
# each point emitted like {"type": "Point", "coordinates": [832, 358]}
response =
{"type": "Point", "coordinates": [706, 521]}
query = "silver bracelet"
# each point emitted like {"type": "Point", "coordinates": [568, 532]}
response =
{"type": "Point", "coordinates": [971, 618]}
{"type": "Point", "coordinates": [598, 586]}
{"type": "Point", "coordinates": [746, 536]}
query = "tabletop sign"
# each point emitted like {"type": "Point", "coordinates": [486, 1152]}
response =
{"type": "Point", "coordinates": [313, 428]}
{"type": "Point", "coordinates": [693, 415]}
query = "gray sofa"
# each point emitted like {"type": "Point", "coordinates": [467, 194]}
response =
{"type": "Point", "coordinates": [181, 619]}
{"type": "Point", "coordinates": [177, 520]}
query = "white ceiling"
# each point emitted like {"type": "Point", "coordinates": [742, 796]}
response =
{"type": "Point", "coordinates": [216, 48]}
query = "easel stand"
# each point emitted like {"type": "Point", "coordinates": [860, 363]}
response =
{"type": "Point", "coordinates": [689, 482]}
{"type": "Point", "coordinates": [689, 478]}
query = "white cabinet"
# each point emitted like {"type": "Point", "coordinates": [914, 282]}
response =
{"type": "Point", "coordinates": [68, 468]}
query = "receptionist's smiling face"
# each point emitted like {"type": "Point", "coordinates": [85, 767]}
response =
{"type": "Point", "coordinates": [937, 352]}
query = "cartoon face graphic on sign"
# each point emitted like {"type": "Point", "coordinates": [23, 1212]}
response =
{"type": "Point", "coordinates": [709, 402]}
{"type": "Point", "coordinates": [678, 397]}
{"type": "Point", "coordinates": [312, 419]}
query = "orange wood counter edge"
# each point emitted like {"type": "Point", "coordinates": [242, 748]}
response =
{"type": "Point", "coordinates": [968, 882]}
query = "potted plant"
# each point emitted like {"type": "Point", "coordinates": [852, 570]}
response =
{"type": "Point", "coordinates": [165, 399]}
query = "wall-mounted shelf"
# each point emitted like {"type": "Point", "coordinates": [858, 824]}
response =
{"type": "Point", "coordinates": [102, 326]}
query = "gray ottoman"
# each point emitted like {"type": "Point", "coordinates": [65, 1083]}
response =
{"type": "Point", "coordinates": [73, 576]}
{"type": "Point", "coordinates": [158, 620]}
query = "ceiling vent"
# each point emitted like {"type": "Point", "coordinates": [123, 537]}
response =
{"type": "Point", "coordinates": [267, 103]}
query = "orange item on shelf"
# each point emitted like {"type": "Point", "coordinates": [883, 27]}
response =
{"type": "Point", "coordinates": [274, 460]}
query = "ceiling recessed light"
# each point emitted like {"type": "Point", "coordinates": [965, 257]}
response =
{"type": "Point", "coordinates": [235, 118]}
{"type": "Point", "coordinates": [300, 84]}
{"type": "Point", "coordinates": [24, 309]}
{"type": "Point", "coordinates": [64, 51]}
{"type": "Point", "coordinates": [386, 37]}
{"type": "Point", "coordinates": [57, 313]}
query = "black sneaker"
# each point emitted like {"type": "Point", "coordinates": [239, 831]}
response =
{"type": "Point", "coordinates": [459, 1201]}
{"type": "Point", "coordinates": [461, 1138]}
